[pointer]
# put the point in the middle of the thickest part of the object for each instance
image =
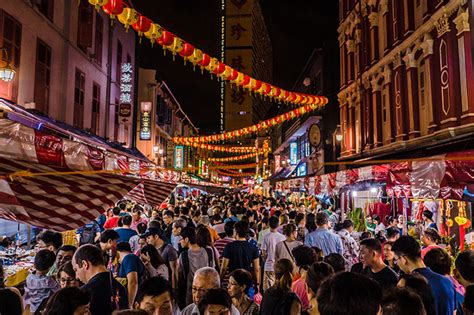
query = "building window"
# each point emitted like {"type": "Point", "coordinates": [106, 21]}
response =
{"type": "Point", "coordinates": [42, 77]}
{"type": "Point", "coordinates": [79, 91]}
{"type": "Point", "coordinates": [99, 37]}
{"type": "Point", "coordinates": [85, 25]}
{"type": "Point", "coordinates": [95, 123]}
{"type": "Point", "coordinates": [395, 20]}
{"type": "Point", "coordinates": [11, 39]}
{"type": "Point", "coordinates": [46, 7]}
{"type": "Point", "coordinates": [118, 63]}
{"type": "Point", "coordinates": [116, 120]}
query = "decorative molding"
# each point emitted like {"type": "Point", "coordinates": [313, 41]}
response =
{"type": "Point", "coordinates": [387, 74]}
{"type": "Point", "coordinates": [427, 45]}
{"type": "Point", "coordinates": [342, 39]}
{"type": "Point", "coordinates": [350, 44]}
{"type": "Point", "coordinates": [442, 24]}
{"type": "Point", "coordinates": [397, 60]}
{"type": "Point", "coordinates": [366, 83]}
{"type": "Point", "coordinates": [374, 19]}
{"type": "Point", "coordinates": [383, 6]}
{"type": "Point", "coordinates": [376, 86]}
{"type": "Point", "coordinates": [462, 22]}
{"type": "Point", "coordinates": [409, 60]}
{"type": "Point", "coordinates": [358, 36]}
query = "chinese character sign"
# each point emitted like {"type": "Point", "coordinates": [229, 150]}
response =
{"type": "Point", "coordinates": [145, 121]}
{"type": "Point", "coordinates": [126, 89]}
{"type": "Point", "coordinates": [179, 157]}
{"type": "Point", "coordinates": [293, 153]}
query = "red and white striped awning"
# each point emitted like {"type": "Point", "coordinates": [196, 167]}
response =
{"type": "Point", "coordinates": [64, 202]}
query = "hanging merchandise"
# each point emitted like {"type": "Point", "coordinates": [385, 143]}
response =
{"type": "Point", "coordinates": [449, 221]}
{"type": "Point", "coordinates": [129, 17]}
{"type": "Point", "coordinates": [463, 222]}
{"type": "Point", "coordinates": [248, 130]}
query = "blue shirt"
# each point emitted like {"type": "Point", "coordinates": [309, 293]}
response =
{"type": "Point", "coordinates": [131, 263]}
{"type": "Point", "coordinates": [325, 240]}
{"type": "Point", "coordinates": [125, 234]}
{"type": "Point", "coordinates": [443, 290]}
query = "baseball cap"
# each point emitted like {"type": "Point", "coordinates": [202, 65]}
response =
{"type": "Point", "coordinates": [153, 231]}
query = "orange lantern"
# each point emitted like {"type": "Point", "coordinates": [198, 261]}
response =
{"type": "Point", "coordinates": [246, 80]}
{"type": "Point", "coordinates": [98, 3]}
{"type": "Point", "coordinates": [142, 25]}
{"type": "Point", "coordinates": [128, 17]}
{"type": "Point", "coordinates": [266, 88]}
{"type": "Point", "coordinates": [154, 32]}
{"type": "Point", "coordinates": [113, 8]}
{"type": "Point", "coordinates": [258, 85]}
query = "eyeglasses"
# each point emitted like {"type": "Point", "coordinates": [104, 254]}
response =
{"type": "Point", "coordinates": [198, 290]}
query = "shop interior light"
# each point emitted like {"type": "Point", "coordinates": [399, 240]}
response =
{"type": "Point", "coordinates": [6, 72]}
{"type": "Point", "coordinates": [156, 149]}
{"type": "Point", "coordinates": [373, 190]}
{"type": "Point", "coordinates": [354, 194]}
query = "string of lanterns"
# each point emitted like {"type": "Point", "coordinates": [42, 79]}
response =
{"type": "Point", "coordinates": [266, 124]}
{"type": "Point", "coordinates": [218, 148]}
{"type": "Point", "coordinates": [234, 158]}
{"type": "Point", "coordinates": [235, 174]}
{"type": "Point", "coordinates": [169, 41]}
{"type": "Point", "coordinates": [233, 167]}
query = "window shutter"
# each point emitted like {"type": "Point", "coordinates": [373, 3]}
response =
{"type": "Point", "coordinates": [85, 25]}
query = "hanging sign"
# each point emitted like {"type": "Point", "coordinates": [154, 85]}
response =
{"type": "Point", "coordinates": [145, 121]}
{"type": "Point", "coordinates": [179, 157]}
{"type": "Point", "coordinates": [293, 153]}
{"type": "Point", "coordinates": [126, 88]}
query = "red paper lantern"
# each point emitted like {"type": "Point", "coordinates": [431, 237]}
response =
{"type": "Point", "coordinates": [220, 68]}
{"type": "Point", "coordinates": [292, 97]}
{"type": "Point", "coordinates": [286, 95]}
{"type": "Point", "coordinates": [187, 51]}
{"type": "Point", "coordinates": [258, 85]}
{"type": "Point", "coordinates": [267, 88]}
{"type": "Point", "coordinates": [246, 80]}
{"type": "Point", "coordinates": [233, 75]}
{"type": "Point", "coordinates": [206, 60]}
{"type": "Point", "coordinates": [167, 38]}
{"type": "Point", "coordinates": [142, 25]}
{"type": "Point", "coordinates": [113, 8]}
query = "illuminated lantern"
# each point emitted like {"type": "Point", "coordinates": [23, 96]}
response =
{"type": "Point", "coordinates": [206, 60]}
{"type": "Point", "coordinates": [259, 126]}
{"type": "Point", "coordinates": [233, 75]}
{"type": "Point", "coordinates": [187, 51]}
{"type": "Point", "coordinates": [258, 85]}
{"type": "Point", "coordinates": [177, 46]}
{"type": "Point", "coordinates": [287, 116]}
{"type": "Point", "coordinates": [298, 98]}
{"type": "Point", "coordinates": [246, 80]}
{"type": "Point", "coordinates": [113, 8]}
{"type": "Point", "coordinates": [142, 25]}
{"type": "Point", "coordinates": [286, 95]}
{"type": "Point", "coordinates": [278, 119]}
{"type": "Point", "coordinates": [98, 3]}
{"type": "Point", "coordinates": [227, 72]}
{"type": "Point", "coordinates": [219, 69]}
{"type": "Point", "coordinates": [166, 39]}
{"type": "Point", "coordinates": [240, 78]}
{"type": "Point", "coordinates": [266, 88]}
{"type": "Point", "coordinates": [196, 56]}
{"type": "Point", "coordinates": [128, 17]}
{"type": "Point", "coordinates": [292, 97]}
{"type": "Point", "coordinates": [154, 32]}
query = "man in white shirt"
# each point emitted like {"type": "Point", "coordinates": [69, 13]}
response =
{"type": "Point", "coordinates": [268, 252]}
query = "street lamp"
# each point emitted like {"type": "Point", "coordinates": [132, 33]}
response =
{"type": "Point", "coordinates": [6, 72]}
{"type": "Point", "coordinates": [338, 133]}
{"type": "Point", "coordinates": [160, 151]}
{"type": "Point", "coordinates": [155, 149]}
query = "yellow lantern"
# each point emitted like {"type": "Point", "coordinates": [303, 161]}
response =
{"type": "Point", "coordinates": [177, 45]}
{"type": "Point", "coordinates": [128, 17]}
{"type": "Point", "coordinates": [240, 78]}
{"type": "Point", "coordinates": [252, 84]}
{"type": "Point", "coordinates": [196, 56]}
{"type": "Point", "coordinates": [213, 64]}
{"type": "Point", "coordinates": [227, 72]}
{"type": "Point", "coordinates": [98, 3]}
{"type": "Point", "coordinates": [154, 33]}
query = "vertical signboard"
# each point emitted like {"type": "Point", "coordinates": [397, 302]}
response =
{"type": "Point", "coordinates": [179, 157]}
{"type": "Point", "coordinates": [145, 121]}
{"type": "Point", "coordinates": [293, 153]}
{"type": "Point", "coordinates": [126, 88]}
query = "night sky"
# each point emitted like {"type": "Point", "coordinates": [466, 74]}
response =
{"type": "Point", "coordinates": [296, 27]}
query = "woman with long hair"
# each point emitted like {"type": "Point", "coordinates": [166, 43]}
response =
{"type": "Point", "coordinates": [204, 240]}
{"type": "Point", "coordinates": [154, 263]}
{"type": "Point", "coordinates": [279, 299]}
{"type": "Point", "coordinates": [240, 283]}
{"type": "Point", "coordinates": [69, 301]}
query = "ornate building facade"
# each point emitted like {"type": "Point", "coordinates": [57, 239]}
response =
{"type": "Point", "coordinates": [406, 72]}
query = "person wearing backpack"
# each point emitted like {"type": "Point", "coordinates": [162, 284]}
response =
{"type": "Point", "coordinates": [88, 234]}
{"type": "Point", "coordinates": [132, 269]}
{"type": "Point", "coordinates": [191, 259]}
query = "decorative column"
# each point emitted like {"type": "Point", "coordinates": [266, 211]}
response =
{"type": "Point", "coordinates": [343, 58]}
{"type": "Point", "coordinates": [368, 121]}
{"type": "Point", "coordinates": [374, 37]}
{"type": "Point", "coordinates": [448, 75]}
{"type": "Point", "coordinates": [343, 116]}
{"type": "Point", "coordinates": [352, 126]}
{"type": "Point", "coordinates": [399, 94]}
{"type": "Point", "coordinates": [413, 119]}
{"type": "Point", "coordinates": [465, 67]}
{"type": "Point", "coordinates": [377, 111]}
{"type": "Point", "coordinates": [431, 83]}
{"type": "Point", "coordinates": [386, 27]}
{"type": "Point", "coordinates": [350, 45]}
{"type": "Point", "coordinates": [387, 86]}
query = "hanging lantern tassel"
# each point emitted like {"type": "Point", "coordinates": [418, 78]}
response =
{"type": "Point", "coordinates": [98, 3]}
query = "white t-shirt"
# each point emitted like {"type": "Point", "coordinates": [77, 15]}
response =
{"type": "Point", "coordinates": [268, 245]}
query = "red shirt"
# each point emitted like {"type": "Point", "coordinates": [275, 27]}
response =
{"type": "Point", "coordinates": [111, 223]}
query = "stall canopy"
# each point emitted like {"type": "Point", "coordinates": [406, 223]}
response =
{"type": "Point", "coordinates": [53, 178]}
{"type": "Point", "coordinates": [447, 176]}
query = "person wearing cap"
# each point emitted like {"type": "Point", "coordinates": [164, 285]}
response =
{"type": "Point", "coordinates": [428, 219]}
{"type": "Point", "coordinates": [154, 236]}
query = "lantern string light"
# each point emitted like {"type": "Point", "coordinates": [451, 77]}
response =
{"type": "Point", "coordinates": [238, 157]}
{"type": "Point", "coordinates": [266, 124]}
{"type": "Point", "coordinates": [144, 26]}
{"type": "Point", "coordinates": [217, 148]}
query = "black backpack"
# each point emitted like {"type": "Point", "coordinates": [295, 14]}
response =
{"type": "Point", "coordinates": [88, 234]}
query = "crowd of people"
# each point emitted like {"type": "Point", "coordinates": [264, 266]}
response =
{"type": "Point", "coordinates": [244, 254]}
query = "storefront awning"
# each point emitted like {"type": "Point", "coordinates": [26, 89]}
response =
{"type": "Point", "coordinates": [63, 201]}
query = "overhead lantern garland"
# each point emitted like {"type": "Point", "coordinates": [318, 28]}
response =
{"type": "Point", "coordinates": [217, 148]}
{"type": "Point", "coordinates": [252, 129]}
{"type": "Point", "coordinates": [234, 158]}
{"type": "Point", "coordinates": [154, 32]}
